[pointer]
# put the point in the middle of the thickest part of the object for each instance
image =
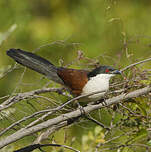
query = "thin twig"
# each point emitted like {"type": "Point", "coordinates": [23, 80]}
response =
{"type": "Point", "coordinates": [23, 119]}
{"type": "Point", "coordinates": [27, 95]}
{"type": "Point", "coordinates": [130, 111]}
{"type": "Point", "coordinates": [114, 138]}
{"type": "Point", "coordinates": [97, 122]}
{"type": "Point", "coordinates": [9, 70]}
{"type": "Point", "coordinates": [61, 107]}
{"type": "Point", "coordinates": [39, 146]}
{"type": "Point", "coordinates": [49, 131]}
{"type": "Point", "coordinates": [131, 65]}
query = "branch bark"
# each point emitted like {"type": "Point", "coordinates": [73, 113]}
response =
{"type": "Point", "coordinates": [27, 95]}
{"type": "Point", "coordinates": [71, 115]}
{"type": "Point", "coordinates": [131, 65]}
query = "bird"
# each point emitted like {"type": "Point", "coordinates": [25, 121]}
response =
{"type": "Point", "coordinates": [77, 81]}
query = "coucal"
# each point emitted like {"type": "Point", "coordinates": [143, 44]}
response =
{"type": "Point", "coordinates": [79, 82]}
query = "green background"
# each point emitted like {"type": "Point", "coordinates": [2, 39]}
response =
{"type": "Point", "coordinates": [116, 32]}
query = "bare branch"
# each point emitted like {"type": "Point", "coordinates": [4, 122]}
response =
{"type": "Point", "coordinates": [27, 95]}
{"type": "Point", "coordinates": [39, 146]}
{"type": "Point", "coordinates": [131, 65]}
{"type": "Point", "coordinates": [61, 107]}
{"type": "Point", "coordinates": [23, 119]}
{"type": "Point", "coordinates": [49, 131]}
{"type": "Point", "coordinates": [97, 122]}
{"type": "Point", "coordinates": [71, 115]}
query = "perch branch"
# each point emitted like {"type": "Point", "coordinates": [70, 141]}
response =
{"type": "Point", "coordinates": [71, 115]}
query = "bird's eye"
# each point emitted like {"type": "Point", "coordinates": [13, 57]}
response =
{"type": "Point", "coordinates": [107, 70]}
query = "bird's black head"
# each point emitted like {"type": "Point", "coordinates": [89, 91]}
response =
{"type": "Point", "coordinates": [103, 70]}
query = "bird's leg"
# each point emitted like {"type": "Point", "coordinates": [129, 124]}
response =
{"type": "Point", "coordinates": [98, 102]}
{"type": "Point", "coordinates": [80, 107]}
{"type": "Point", "coordinates": [87, 116]}
{"type": "Point", "coordinates": [103, 102]}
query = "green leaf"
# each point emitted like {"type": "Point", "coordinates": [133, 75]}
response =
{"type": "Point", "coordinates": [149, 143]}
{"type": "Point", "coordinates": [139, 135]}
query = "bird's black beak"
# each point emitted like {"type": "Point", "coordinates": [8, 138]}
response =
{"type": "Point", "coordinates": [116, 72]}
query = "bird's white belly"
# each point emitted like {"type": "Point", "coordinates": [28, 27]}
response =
{"type": "Point", "coordinates": [98, 83]}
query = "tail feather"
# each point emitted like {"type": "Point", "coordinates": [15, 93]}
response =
{"type": "Point", "coordinates": [35, 63]}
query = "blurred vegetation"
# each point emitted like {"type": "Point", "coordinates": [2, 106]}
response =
{"type": "Point", "coordinates": [114, 32]}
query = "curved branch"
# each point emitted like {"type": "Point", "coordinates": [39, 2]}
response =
{"type": "Point", "coordinates": [27, 95]}
{"type": "Point", "coordinates": [71, 115]}
{"type": "Point", "coordinates": [131, 65]}
{"type": "Point", "coordinates": [38, 146]}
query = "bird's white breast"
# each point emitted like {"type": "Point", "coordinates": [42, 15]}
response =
{"type": "Point", "coordinates": [98, 83]}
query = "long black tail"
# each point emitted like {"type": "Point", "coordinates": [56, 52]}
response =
{"type": "Point", "coordinates": [35, 63]}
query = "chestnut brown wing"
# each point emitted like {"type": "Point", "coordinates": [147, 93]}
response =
{"type": "Point", "coordinates": [73, 79]}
